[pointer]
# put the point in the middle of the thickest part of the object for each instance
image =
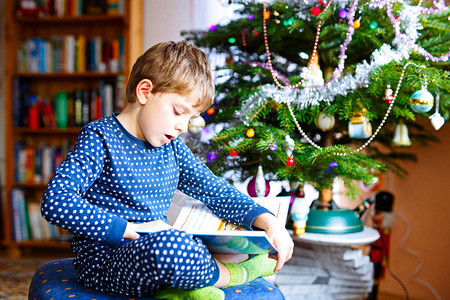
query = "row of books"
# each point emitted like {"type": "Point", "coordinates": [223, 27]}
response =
{"type": "Point", "coordinates": [70, 8]}
{"type": "Point", "coordinates": [28, 224]}
{"type": "Point", "coordinates": [70, 53]}
{"type": "Point", "coordinates": [79, 107]}
{"type": "Point", "coordinates": [36, 164]}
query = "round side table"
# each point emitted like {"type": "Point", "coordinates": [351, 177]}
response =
{"type": "Point", "coordinates": [328, 266]}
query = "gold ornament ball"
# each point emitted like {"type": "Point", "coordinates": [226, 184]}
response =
{"type": "Point", "coordinates": [325, 122]}
{"type": "Point", "coordinates": [251, 133]}
{"type": "Point", "coordinates": [196, 125]}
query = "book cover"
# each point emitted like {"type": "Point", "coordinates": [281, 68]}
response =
{"type": "Point", "coordinates": [80, 54]}
{"type": "Point", "coordinates": [34, 213]}
{"type": "Point", "coordinates": [78, 107]}
{"type": "Point", "coordinates": [218, 235]}
{"type": "Point", "coordinates": [69, 48]}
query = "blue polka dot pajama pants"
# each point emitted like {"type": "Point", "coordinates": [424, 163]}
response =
{"type": "Point", "coordinates": [137, 268]}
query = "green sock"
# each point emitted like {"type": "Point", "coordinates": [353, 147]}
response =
{"type": "Point", "coordinates": [206, 293]}
{"type": "Point", "coordinates": [246, 271]}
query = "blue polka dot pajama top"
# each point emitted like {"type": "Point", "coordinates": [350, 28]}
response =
{"type": "Point", "coordinates": [111, 178]}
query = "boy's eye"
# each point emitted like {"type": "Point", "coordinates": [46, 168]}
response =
{"type": "Point", "coordinates": [176, 112]}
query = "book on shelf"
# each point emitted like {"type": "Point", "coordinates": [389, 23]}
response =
{"type": "Point", "coordinates": [218, 235]}
{"type": "Point", "coordinates": [75, 8]}
{"type": "Point", "coordinates": [83, 105]}
{"type": "Point", "coordinates": [71, 54]}
{"type": "Point", "coordinates": [28, 223]}
{"type": "Point", "coordinates": [36, 164]}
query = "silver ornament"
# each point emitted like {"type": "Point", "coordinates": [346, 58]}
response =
{"type": "Point", "coordinates": [197, 125]}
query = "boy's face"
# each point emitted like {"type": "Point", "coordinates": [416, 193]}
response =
{"type": "Point", "coordinates": [165, 116]}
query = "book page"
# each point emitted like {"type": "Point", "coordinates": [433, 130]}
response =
{"type": "Point", "coordinates": [195, 217]}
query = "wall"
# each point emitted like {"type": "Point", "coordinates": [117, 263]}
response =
{"type": "Point", "coordinates": [165, 19]}
{"type": "Point", "coordinates": [423, 199]}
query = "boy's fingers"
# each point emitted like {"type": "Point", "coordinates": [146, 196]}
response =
{"type": "Point", "coordinates": [280, 263]}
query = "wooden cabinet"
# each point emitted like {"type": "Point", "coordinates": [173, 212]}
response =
{"type": "Point", "coordinates": [48, 57]}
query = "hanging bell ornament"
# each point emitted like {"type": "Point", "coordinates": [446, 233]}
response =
{"type": "Point", "coordinates": [388, 95]}
{"type": "Point", "coordinates": [436, 119]}
{"type": "Point", "coordinates": [421, 101]}
{"type": "Point", "coordinates": [401, 137]}
{"type": "Point", "coordinates": [325, 122]}
{"type": "Point", "coordinates": [196, 125]}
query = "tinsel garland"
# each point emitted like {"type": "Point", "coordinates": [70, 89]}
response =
{"type": "Point", "coordinates": [302, 98]}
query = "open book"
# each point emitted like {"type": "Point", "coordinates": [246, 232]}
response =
{"type": "Point", "coordinates": [219, 235]}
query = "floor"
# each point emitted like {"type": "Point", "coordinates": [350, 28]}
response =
{"type": "Point", "coordinates": [16, 274]}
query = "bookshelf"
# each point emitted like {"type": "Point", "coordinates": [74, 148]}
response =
{"type": "Point", "coordinates": [64, 67]}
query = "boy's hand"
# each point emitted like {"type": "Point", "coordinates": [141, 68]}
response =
{"type": "Point", "coordinates": [279, 237]}
{"type": "Point", "coordinates": [153, 226]}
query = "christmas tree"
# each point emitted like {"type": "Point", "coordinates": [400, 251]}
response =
{"type": "Point", "coordinates": [314, 90]}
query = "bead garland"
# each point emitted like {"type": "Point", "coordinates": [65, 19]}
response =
{"type": "Point", "coordinates": [299, 128]}
{"type": "Point", "coordinates": [269, 60]}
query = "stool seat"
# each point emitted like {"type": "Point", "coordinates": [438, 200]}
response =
{"type": "Point", "coordinates": [57, 280]}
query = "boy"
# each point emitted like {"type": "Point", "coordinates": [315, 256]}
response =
{"type": "Point", "coordinates": [124, 171]}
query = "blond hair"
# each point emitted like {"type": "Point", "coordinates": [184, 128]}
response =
{"type": "Point", "coordinates": [174, 67]}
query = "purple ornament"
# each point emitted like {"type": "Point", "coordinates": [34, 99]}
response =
{"type": "Point", "coordinates": [211, 156]}
{"type": "Point", "coordinates": [333, 164]}
{"type": "Point", "coordinates": [273, 147]}
{"type": "Point", "coordinates": [251, 17]}
{"type": "Point", "coordinates": [213, 27]}
{"type": "Point", "coordinates": [342, 14]}
{"type": "Point", "coordinates": [251, 187]}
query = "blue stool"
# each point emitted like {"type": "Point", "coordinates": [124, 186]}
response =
{"type": "Point", "coordinates": [57, 280]}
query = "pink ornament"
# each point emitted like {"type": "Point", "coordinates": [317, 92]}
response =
{"type": "Point", "coordinates": [251, 188]}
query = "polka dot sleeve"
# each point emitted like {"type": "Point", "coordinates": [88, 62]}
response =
{"type": "Point", "coordinates": [63, 202]}
{"type": "Point", "coordinates": [197, 181]}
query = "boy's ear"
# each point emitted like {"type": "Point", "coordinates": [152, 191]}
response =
{"type": "Point", "coordinates": [144, 90]}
